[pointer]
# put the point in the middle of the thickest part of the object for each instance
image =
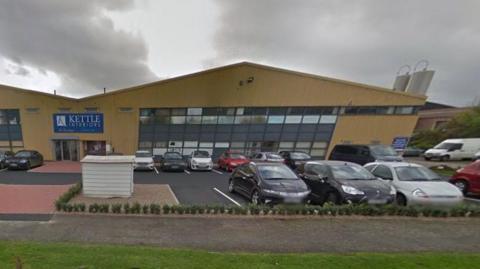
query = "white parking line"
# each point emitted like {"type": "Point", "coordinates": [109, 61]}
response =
{"type": "Point", "coordinates": [186, 172]}
{"type": "Point", "coordinates": [173, 194]}
{"type": "Point", "coordinates": [216, 171]}
{"type": "Point", "coordinates": [3, 169]}
{"type": "Point", "coordinates": [228, 197]}
{"type": "Point", "coordinates": [156, 170]}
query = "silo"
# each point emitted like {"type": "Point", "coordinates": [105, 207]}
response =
{"type": "Point", "coordinates": [420, 80]}
{"type": "Point", "coordinates": [401, 81]}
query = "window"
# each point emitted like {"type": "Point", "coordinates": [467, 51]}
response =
{"type": "Point", "coordinates": [190, 144]}
{"type": "Point", "coordinates": [303, 145]}
{"type": "Point", "coordinates": [321, 145]}
{"type": "Point", "coordinates": [242, 119]}
{"type": "Point", "coordinates": [382, 110]}
{"type": "Point", "coordinates": [312, 119]}
{"type": "Point", "coordinates": [13, 116]}
{"type": "Point", "coordinates": [226, 111]}
{"type": "Point", "coordinates": [162, 115]}
{"type": "Point", "coordinates": [258, 119]}
{"type": "Point", "coordinates": [178, 112]}
{"type": "Point", "coordinates": [194, 119]}
{"type": "Point", "coordinates": [295, 110]}
{"type": "Point", "coordinates": [177, 119]}
{"type": "Point", "coordinates": [225, 119]}
{"type": "Point", "coordinates": [330, 119]}
{"type": "Point", "coordinates": [404, 110]}
{"type": "Point", "coordinates": [209, 120]}
{"type": "Point", "coordinates": [146, 116]}
{"type": "Point", "coordinates": [194, 111]}
{"type": "Point", "coordinates": [3, 117]}
{"type": "Point", "coordinates": [277, 111]}
{"type": "Point", "coordinates": [383, 171]}
{"type": "Point", "coordinates": [276, 119]}
{"type": "Point", "coordinates": [286, 144]}
{"type": "Point", "coordinates": [293, 119]}
{"type": "Point", "coordinates": [222, 145]}
{"type": "Point", "coordinates": [240, 111]}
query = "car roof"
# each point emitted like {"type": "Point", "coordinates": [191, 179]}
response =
{"type": "Point", "coordinates": [397, 164]}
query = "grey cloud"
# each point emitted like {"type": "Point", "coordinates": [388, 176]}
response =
{"type": "Point", "coordinates": [76, 40]}
{"type": "Point", "coordinates": [364, 41]}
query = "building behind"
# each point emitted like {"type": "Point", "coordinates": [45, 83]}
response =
{"type": "Point", "coordinates": [244, 106]}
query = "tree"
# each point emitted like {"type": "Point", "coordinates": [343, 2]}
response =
{"type": "Point", "coordinates": [464, 125]}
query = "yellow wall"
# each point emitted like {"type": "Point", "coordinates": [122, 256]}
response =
{"type": "Point", "coordinates": [215, 88]}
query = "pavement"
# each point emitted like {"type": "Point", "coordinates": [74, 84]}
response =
{"type": "Point", "coordinates": [256, 234]}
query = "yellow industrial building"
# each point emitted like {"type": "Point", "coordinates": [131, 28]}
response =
{"type": "Point", "coordinates": [244, 106]}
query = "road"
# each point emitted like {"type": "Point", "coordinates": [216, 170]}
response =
{"type": "Point", "coordinates": [256, 234]}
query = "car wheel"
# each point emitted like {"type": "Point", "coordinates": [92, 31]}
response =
{"type": "Point", "coordinates": [401, 200]}
{"type": "Point", "coordinates": [231, 186]}
{"type": "Point", "coordinates": [444, 158]}
{"type": "Point", "coordinates": [255, 198]}
{"type": "Point", "coordinates": [462, 185]}
{"type": "Point", "coordinates": [427, 158]}
{"type": "Point", "coordinates": [333, 198]}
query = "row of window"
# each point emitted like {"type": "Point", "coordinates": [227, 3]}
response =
{"type": "Point", "coordinates": [9, 117]}
{"type": "Point", "coordinates": [68, 109]}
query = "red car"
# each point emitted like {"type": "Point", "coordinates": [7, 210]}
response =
{"type": "Point", "coordinates": [467, 179]}
{"type": "Point", "coordinates": [229, 160]}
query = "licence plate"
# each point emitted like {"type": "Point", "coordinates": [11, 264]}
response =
{"type": "Point", "coordinates": [13, 164]}
{"type": "Point", "coordinates": [174, 166]}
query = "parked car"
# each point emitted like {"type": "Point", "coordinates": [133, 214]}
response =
{"type": "Point", "coordinates": [143, 160]}
{"type": "Point", "coordinates": [4, 156]}
{"type": "Point", "coordinates": [467, 179]}
{"type": "Point", "coordinates": [294, 158]}
{"type": "Point", "coordinates": [173, 161]}
{"type": "Point", "coordinates": [344, 182]}
{"type": "Point", "coordinates": [454, 149]}
{"type": "Point", "coordinates": [412, 152]}
{"type": "Point", "coordinates": [362, 154]}
{"type": "Point", "coordinates": [266, 157]}
{"type": "Point", "coordinates": [25, 159]}
{"type": "Point", "coordinates": [200, 160]}
{"type": "Point", "coordinates": [416, 184]}
{"type": "Point", "coordinates": [269, 183]}
{"type": "Point", "coordinates": [229, 160]}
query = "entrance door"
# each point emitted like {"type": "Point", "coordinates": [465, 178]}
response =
{"type": "Point", "coordinates": [66, 150]}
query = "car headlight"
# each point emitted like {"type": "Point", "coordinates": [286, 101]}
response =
{"type": "Point", "coordinates": [419, 193]}
{"type": "Point", "coordinates": [352, 190]}
{"type": "Point", "coordinates": [393, 191]}
{"type": "Point", "coordinates": [7, 161]}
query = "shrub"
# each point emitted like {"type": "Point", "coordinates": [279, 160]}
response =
{"type": "Point", "coordinates": [127, 208]}
{"type": "Point", "coordinates": [104, 208]}
{"type": "Point", "coordinates": [67, 196]}
{"type": "Point", "coordinates": [145, 209]}
{"type": "Point", "coordinates": [93, 208]}
{"type": "Point", "coordinates": [155, 209]}
{"type": "Point", "coordinates": [136, 208]}
{"type": "Point", "coordinates": [117, 208]}
{"type": "Point", "coordinates": [166, 209]}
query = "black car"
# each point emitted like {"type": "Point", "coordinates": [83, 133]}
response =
{"type": "Point", "coordinates": [173, 161]}
{"type": "Point", "coordinates": [294, 158]}
{"type": "Point", "coordinates": [25, 159]}
{"type": "Point", "coordinates": [269, 183]}
{"type": "Point", "coordinates": [412, 152]}
{"type": "Point", "coordinates": [363, 154]}
{"type": "Point", "coordinates": [344, 182]}
{"type": "Point", "coordinates": [4, 156]}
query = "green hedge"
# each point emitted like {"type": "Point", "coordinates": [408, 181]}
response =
{"type": "Point", "coordinates": [61, 204]}
{"type": "Point", "coordinates": [280, 210]}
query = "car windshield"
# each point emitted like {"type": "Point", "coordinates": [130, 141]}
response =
{"type": "Point", "coordinates": [351, 172]}
{"type": "Point", "coordinates": [299, 156]}
{"type": "Point", "coordinates": [23, 154]}
{"type": "Point", "coordinates": [381, 150]}
{"type": "Point", "coordinates": [143, 154]}
{"type": "Point", "coordinates": [276, 172]}
{"type": "Point", "coordinates": [173, 156]}
{"type": "Point", "coordinates": [415, 173]}
{"type": "Point", "coordinates": [201, 154]}
{"type": "Point", "coordinates": [236, 156]}
{"type": "Point", "coordinates": [448, 146]}
{"type": "Point", "coordinates": [273, 156]}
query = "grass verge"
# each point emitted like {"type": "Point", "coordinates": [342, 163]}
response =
{"type": "Point", "coordinates": [61, 255]}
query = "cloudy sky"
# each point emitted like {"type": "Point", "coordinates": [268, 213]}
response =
{"type": "Point", "coordinates": [80, 47]}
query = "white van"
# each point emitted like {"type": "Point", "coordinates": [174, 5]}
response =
{"type": "Point", "coordinates": [454, 149]}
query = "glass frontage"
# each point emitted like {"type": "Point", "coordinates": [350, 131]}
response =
{"type": "Point", "coordinates": [10, 130]}
{"type": "Point", "coordinates": [244, 129]}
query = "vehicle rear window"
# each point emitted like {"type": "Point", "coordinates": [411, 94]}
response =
{"type": "Point", "coordinates": [23, 154]}
{"type": "Point", "coordinates": [345, 149]}
{"type": "Point", "coordinates": [276, 172]}
{"type": "Point", "coordinates": [201, 154]}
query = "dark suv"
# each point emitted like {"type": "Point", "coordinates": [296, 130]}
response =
{"type": "Point", "coordinates": [363, 154]}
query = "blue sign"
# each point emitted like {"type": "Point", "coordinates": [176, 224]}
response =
{"type": "Point", "coordinates": [400, 142]}
{"type": "Point", "coordinates": [78, 123]}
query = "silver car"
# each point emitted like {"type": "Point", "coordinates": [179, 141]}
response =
{"type": "Point", "coordinates": [416, 184]}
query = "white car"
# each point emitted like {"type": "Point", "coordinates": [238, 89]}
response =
{"type": "Point", "coordinates": [416, 184]}
{"type": "Point", "coordinates": [200, 160]}
{"type": "Point", "coordinates": [143, 160]}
